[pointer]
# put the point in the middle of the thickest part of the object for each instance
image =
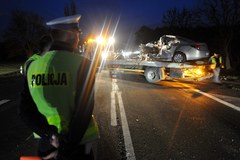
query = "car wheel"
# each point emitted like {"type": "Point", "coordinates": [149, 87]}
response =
{"type": "Point", "coordinates": [152, 75]}
{"type": "Point", "coordinates": [179, 57]}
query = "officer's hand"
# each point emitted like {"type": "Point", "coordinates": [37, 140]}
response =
{"type": "Point", "coordinates": [53, 136]}
{"type": "Point", "coordinates": [52, 155]}
{"type": "Point", "coordinates": [54, 141]}
{"type": "Point", "coordinates": [222, 66]}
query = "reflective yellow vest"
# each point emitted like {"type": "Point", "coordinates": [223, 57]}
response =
{"type": "Point", "coordinates": [213, 60]}
{"type": "Point", "coordinates": [52, 84]}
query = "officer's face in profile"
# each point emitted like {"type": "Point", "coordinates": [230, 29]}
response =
{"type": "Point", "coordinates": [77, 37]}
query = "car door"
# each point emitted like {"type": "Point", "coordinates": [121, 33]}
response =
{"type": "Point", "coordinates": [167, 50]}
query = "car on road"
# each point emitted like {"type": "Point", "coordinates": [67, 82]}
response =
{"type": "Point", "coordinates": [175, 48]}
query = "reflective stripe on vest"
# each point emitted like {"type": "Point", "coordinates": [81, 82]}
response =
{"type": "Point", "coordinates": [52, 84]}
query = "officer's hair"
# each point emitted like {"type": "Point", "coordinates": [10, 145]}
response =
{"type": "Point", "coordinates": [64, 39]}
{"type": "Point", "coordinates": [45, 41]}
{"type": "Point", "coordinates": [64, 36]}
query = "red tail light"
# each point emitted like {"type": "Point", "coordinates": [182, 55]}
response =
{"type": "Point", "coordinates": [197, 46]}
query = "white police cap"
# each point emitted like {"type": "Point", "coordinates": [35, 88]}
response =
{"type": "Point", "coordinates": [65, 23]}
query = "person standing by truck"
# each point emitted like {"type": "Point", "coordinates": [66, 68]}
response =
{"type": "Point", "coordinates": [217, 62]}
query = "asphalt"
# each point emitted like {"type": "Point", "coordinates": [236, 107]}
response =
{"type": "Point", "coordinates": [15, 138]}
{"type": "Point", "coordinates": [24, 140]}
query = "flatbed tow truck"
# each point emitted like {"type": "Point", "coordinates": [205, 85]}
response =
{"type": "Point", "coordinates": [155, 71]}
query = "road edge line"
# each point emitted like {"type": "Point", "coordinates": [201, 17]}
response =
{"type": "Point", "coordinates": [126, 133]}
{"type": "Point", "coordinates": [218, 100]}
{"type": "Point", "coordinates": [113, 109]}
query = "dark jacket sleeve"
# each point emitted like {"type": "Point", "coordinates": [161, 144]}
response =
{"type": "Point", "coordinates": [84, 101]}
{"type": "Point", "coordinates": [32, 117]}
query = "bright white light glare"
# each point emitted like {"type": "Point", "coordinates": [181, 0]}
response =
{"type": "Point", "coordinates": [136, 52]}
{"type": "Point", "coordinates": [111, 40]}
{"type": "Point", "coordinates": [21, 69]}
{"type": "Point", "coordinates": [100, 40]}
{"type": "Point", "coordinates": [104, 55]}
{"type": "Point", "coordinates": [104, 44]}
{"type": "Point", "coordinates": [126, 53]}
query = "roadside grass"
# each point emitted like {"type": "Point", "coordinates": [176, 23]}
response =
{"type": "Point", "coordinates": [6, 68]}
{"type": "Point", "coordinates": [230, 74]}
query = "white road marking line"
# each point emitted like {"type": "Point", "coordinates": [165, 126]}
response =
{"type": "Point", "coordinates": [114, 85]}
{"type": "Point", "coordinates": [113, 103]}
{"type": "Point", "coordinates": [237, 108]}
{"type": "Point", "coordinates": [4, 101]}
{"type": "Point", "coordinates": [230, 98]}
{"type": "Point", "coordinates": [113, 110]}
{"type": "Point", "coordinates": [126, 133]}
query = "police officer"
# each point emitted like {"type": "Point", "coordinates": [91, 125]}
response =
{"type": "Point", "coordinates": [216, 59]}
{"type": "Point", "coordinates": [58, 97]}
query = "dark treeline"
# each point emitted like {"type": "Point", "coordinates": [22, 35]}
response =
{"type": "Point", "coordinates": [25, 29]}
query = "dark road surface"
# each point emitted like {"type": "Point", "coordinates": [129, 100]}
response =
{"type": "Point", "coordinates": [143, 121]}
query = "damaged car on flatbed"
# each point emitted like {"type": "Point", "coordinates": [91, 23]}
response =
{"type": "Point", "coordinates": [174, 49]}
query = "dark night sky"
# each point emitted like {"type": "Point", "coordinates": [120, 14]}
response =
{"type": "Point", "coordinates": [132, 14]}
